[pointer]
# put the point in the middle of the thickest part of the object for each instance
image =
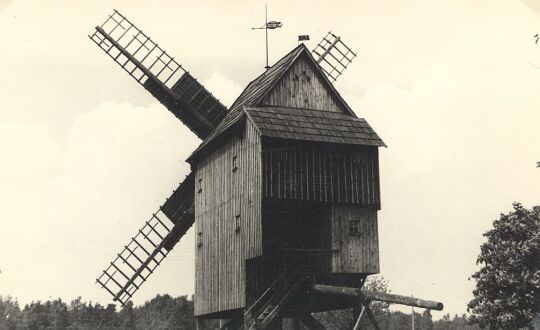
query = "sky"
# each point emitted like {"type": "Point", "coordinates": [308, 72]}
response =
{"type": "Point", "coordinates": [87, 155]}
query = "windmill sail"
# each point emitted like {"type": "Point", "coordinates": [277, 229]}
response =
{"type": "Point", "coordinates": [159, 73]}
{"type": "Point", "coordinates": [147, 249]}
{"type": "Point", "coordinates": [333, 55]}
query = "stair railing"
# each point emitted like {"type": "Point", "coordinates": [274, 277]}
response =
{"type": "Point", "coordinates": [280, 284]}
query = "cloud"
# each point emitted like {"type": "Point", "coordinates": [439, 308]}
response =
{"type": "Point", "coordinates": [72, 208]}
{"type": "Point", "coordinates": [223, 88]}
{"type": "Point", "coordinates": [534, 5]}
{"type": "Point", "coordinates": [463, 143]}
{"type": "Point", "coordinates": [4, 4]}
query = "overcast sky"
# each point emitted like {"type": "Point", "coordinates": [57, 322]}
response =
{"type": "Point", "coordinates": [87, 155]}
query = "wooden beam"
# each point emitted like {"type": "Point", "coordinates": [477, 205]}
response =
{"type": "Point", "coordinates": [354, 294]}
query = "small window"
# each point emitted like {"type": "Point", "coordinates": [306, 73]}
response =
{"type": "Point", "coordinates": [199, 239]}
{"type": "Point", "coordinates": [354, 227]}
{"type": "Point", "coordinates": [234, 167]}
{"type": "Point", "coordinates": [200, 186]}
{"type": "Point", "coordinates": [237, 223]}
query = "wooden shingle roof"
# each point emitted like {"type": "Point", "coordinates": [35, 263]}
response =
{"type": "Point", "coordinates": [300, 119]}
{"type": "Point", "coordinates": [255, 90]}
{"type": "Point", "coordinates": [313, 125]}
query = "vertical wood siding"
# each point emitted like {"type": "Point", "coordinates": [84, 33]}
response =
{"type": "Point", "coordinates": [357, 254]}
{"type": "Point", "coordinates": [301, 87]}
{"type": "Point", "coordinates": [322, 175]}
{"type": "Point", "coordinates": [222, 194]}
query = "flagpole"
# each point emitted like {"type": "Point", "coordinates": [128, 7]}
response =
{"type": "Point", "coordinates": [267, 25]}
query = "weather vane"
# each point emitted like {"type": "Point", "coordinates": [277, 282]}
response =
{"type": "Point", "coordinates": [268, 25]}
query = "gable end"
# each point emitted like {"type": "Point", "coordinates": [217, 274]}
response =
{"type": "Point", "coordinates": [303, 87]}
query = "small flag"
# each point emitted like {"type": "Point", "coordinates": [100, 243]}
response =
{"type": "Point", "coordinates": [273, 25]}
{"type": "Point", "coordinates": [303, 37]}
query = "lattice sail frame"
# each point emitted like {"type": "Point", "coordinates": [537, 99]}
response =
{"type": "Point", "coordinates": [149, 247]}
{"type": "Point", "coordinates": [333, 55]}
{"type": "Point", "coordinates": [138, 45]}
{"type": "Point", "coordinates": [159, 73]}
{"type": "Point", "coordinates": [137, 261]}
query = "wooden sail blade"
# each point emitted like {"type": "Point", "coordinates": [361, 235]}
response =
{"type": "Point", "coordinates": [159, 73]}
{"type": "Point", "coordinates": [180, 203]}
{"type": "Point", "coordinates": [180, 209]}
{"type": "Point", "coordinates": [333, 55]}
{"type": "Point", "coordinates": [149, 247]}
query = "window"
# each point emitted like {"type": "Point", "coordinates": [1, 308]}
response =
{"type": "Point", "coordinates": [354, 227]}
{"type": "Point", "coordinates": [234, 167]}
{"type": "Point", "coordinates": [199, 239]}
{"type": "Point", "coordinates": [237, 223]}
{"type": "Point", "coordinates": [200, 186]}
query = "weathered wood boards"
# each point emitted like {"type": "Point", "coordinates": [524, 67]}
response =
{"type": "Point", "coordinates": [322, 174]}
{"type": "Point", "coordinates": [355, 237]}
{"type": "Point", "coordinates": [284, 174]}
{"type": "Point", "coordinates": [302, 87]}
{"type": "Point", "coordinates": [228, 221]}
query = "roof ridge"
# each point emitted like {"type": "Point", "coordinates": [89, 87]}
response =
{"type": "Point", "coordinates": [259, 87]}
{"type": "Point", "coordinates": [257, 81]}
{"type": "Point", "coordinates": [307, 109]}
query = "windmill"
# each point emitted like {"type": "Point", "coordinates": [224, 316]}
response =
{"type": "Point", "coordinates": [284, 189]}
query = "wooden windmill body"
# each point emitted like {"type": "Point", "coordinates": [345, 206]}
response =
{"type": "Point", "coordinates": [284, 189]}
{"type": "Point", "coordinates": [290, 173]}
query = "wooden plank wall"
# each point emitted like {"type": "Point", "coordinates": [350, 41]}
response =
{"type": "Point", "coordinates": [357, 254]}
{"type": "Point", "coordinates": [301, 87]}
{"type": "Point", "coordinates": [222, 194]}
{"type": "Point", "coordinates": [322, 174]}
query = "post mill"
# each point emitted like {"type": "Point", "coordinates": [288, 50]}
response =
{"type": "Point", "coordinates": [284, 189]}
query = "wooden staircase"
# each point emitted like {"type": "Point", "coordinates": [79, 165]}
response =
{"type": "Point", "coordinates": [275, 299]}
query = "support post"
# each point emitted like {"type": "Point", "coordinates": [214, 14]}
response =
{"type": "Point", "coordinates": [365, 308]}
{"type": "Point", "coordinates": [312, 323]}
{"type": "Point", "coordinates": [359, 319]}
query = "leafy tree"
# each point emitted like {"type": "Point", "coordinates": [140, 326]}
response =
{"type": "Point", "coordinates": [426, 322]}
{"type": "Point", "coordinates": [343, 319]}
{"type": "Point", "coordinates": [58, 314]}
{"type": "Point", "coordinates": [457, 323]}
{"type": "Point", "coordinates": [35, 316]}
{"type": "Point", "coordinates": [127, 317]}
{"type": "Point", "coordinates": [507, 293]}
{"type": "Point", "coordinates": [9, 313]}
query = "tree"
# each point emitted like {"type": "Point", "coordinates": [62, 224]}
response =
{"type": "Point", "coordinates": [426, 322]}
{"type": "Point", "coordinates": [342, 319]}
{"type": "Point", "coordinates": [9, 313]}
{"type": "Point", "coordinates": [507, 293]}
{"type": "Point", "coordinates": [127, 316]}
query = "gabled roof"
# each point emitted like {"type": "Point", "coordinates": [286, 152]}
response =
{"type": "Point", "coordinates": [260, 87]}
{"type": "Point", "coordinates": [313, 125]}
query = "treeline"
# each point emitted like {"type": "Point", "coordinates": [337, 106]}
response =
{"type": "Point", "coordinates": [162, 312]}
{"type": "Point", "coordinates": [394, 320]}
{"type": "Point", "coordinates": [166, 312]}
